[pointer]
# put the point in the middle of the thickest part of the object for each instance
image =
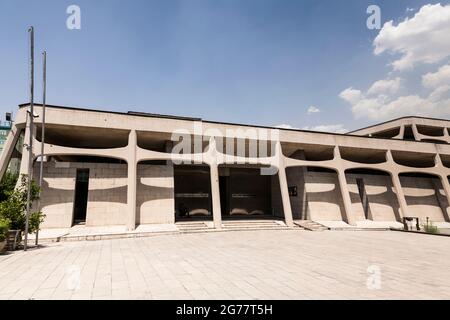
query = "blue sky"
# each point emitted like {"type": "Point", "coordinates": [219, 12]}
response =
{"type": "Point", "coordinates": [248, 61]}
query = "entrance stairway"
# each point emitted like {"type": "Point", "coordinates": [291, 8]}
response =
{"type": "Point", "coordinates": [310, 225]}
{"type": "Point", "coordinates": [254, 225]}
{"type": "Point", "coordinates": [233, 225]}
{"type": "Point", "coordinates": [194, 226]}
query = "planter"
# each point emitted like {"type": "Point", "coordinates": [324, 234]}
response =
{"type": "Point", "coordinates": [13, 240]}
{"type": "Point", "coordinates": [2, 246]}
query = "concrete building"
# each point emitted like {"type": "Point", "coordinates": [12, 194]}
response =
{"type": "Point", "coordinates": [129, 169]}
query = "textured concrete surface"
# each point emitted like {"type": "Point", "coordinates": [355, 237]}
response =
{"type": "Point", "coordinates": [235, 265]}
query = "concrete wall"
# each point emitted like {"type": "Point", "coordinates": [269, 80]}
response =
{"type": "Point", "coordinates": [383, 205]}
{"type": "Point", "coordinates": [57, 195]}
{"type": "Point", "coordinates": [296, 177]}
{"type": "Point", "coordinates": [324, 196]}
{"type": "Point", "coordinates": [107, 197]}
{"type": "Point", "coordinates": [422, 199]}
{"type": "Point", "coordinates": [155, 194]}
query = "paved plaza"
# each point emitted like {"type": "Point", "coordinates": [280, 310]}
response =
{"type": "Point", "coordinates": [235, 265]}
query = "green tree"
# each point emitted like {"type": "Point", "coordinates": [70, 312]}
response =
{"type": "Point", "coordinates": [15, 206]}
{"type": "Point", "coordinates": [8, 184]}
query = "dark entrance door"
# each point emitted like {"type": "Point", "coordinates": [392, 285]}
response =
{"type": "Point", "coordinates": [81, 196]}
{"type": "Point", "coordinates": [224, 194]}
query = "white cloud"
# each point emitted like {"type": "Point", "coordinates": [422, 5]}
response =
{"type": "Point", "coordinates": [313, 109]}
{"type": "Point", "coordinates": [351, 95]}
{"type": "Point", "coordinates": [335, 128]}
{"type": "Point", "coordinates": [386, 86]}
{"type": "Point", "coordinates": [422, 39]}
{"type": "Point", "coordinates": [285, 126]}
{"type": "Point", "coordinates": [437, 79]}
{"type": "Point", "coordinates": [381, 107]}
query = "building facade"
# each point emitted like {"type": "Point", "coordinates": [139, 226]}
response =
{"type": "Point", "coordinates": [109, 169]}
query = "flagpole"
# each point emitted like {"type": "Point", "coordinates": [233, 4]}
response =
{"type": "Point", "coordinates": [30, 144]}
{"type": "Point", "coordinates": [41, 168]}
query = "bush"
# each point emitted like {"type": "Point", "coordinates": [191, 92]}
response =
{"type": "Point", "coordinates": [15, 206]}
{"type": "Point", "coordinates": [4, 227]}
{"type": "Point", "coordinates": [8, 184]}
{"type": "Point", "coordinates": [430, 228]}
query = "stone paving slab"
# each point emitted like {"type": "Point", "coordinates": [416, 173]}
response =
{"type": "Point", "coordinates": [235, 265]}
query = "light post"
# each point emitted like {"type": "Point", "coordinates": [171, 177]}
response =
{"type": "Point", "coordinates": [41, 168]}
{"type": "Point", "coordinates": [30, 144]}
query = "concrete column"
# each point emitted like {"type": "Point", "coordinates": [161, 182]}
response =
{"type": "Point", "coordinates": [215, 189]}
{"type": "Point", "coordinates": [345, 193]}
{"type": "Point", "coordinates": [25, 152]}
{"type": "Point", "coordinates": [284, 188]}
{"type": "Point", "coordinates": [401, 134]}
{"type": "Point", "coordinates": [398, 189]}
{"type": "Point", "coordinates": [415, 132]}
{"type": "Point", "coordinates": [400, 196]}
{"type": "Point", "coordinates": [132, 177]}
{"type": "Point", "coordinates": [8, 149]}
{"type": "Point", "coordinates": [446, 186]}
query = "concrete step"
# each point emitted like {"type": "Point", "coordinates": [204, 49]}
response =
{"type": "Point", "coordinates": [310, 225]}
{"type": "Point", "coordinates": [254, 225]}
{"type": "Point", "coordinates": [192, 227]}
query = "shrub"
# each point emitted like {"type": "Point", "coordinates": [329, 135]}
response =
{"type": "Point", "coordinates": [7, 184]}
{"type": "Point", "coordinates": [4, 227]}
{"type": "Point", "coordinates": [15, 206]}
{"type": "Point", "coordinates": [430, 228]}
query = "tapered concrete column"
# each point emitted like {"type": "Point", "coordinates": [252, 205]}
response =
{"type": "Point", "coordinates": [398, 189]}
{"type": "Point", "coordinates": [446, 185]}
{"type": "Point", "coordinates": [8, 149]}
{"type": "Point", "coordinates": [215, 189]}
{"type": "Point", "coordinates": [345, 192]}
{"type": "Point", "coordinates": [284, 188]}
{"type": "Point", "coordinates": [400, 196]}
{"type": "Point", "coordinates": [415, 132]}
{"type": "Point", "coordinates": [444, 182]}
{"type": "Point", "coordinates": [132, 177]}
{"type": "Point", "coordinates": [401, 134]}
{"type": "Point", "coordinates": [25, 152]}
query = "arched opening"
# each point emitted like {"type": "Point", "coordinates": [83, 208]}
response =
{"type": "Point", "coordinates": [310, 152]}
{"type": "Point", "coordinates": [245, 192]}
{"type": "Point", "coordinates": [430, 131]}
{"type": "Point", "coordinates": [425, 196]}
{"type": "Point", "coordinates": [445, 160]}
{"type": "Point", "coordinates": [372, 195]}
{"type": "Point", "coordinates": [155, 201]}
{"type": "Point", "coordinates": [362, 155]}
{"type": "Point", "coordinates": [192, 187]}
{"type": "Point", "coordinates": [84, 190]}
{"type": "Point", "coordinates": [389, 133]}
{"type": "Point", "coordinates": [408, 134]}
{"type": "Point", "coordinates": [317, 194]}
{"type": "Point", "coordinates": [83, 137]}
{"type": "Point", "coordinates": [414, 159]}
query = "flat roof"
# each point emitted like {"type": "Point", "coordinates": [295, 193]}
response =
{"type": "Point", "coordinates": [174, 117]}
{"type": "Point", "coordinates": [400, 118]}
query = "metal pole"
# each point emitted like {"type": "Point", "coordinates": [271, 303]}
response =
{"type": "Point", "coordinates": [30, 144]}
{"type": "Point", "coordinates": [41, 168]}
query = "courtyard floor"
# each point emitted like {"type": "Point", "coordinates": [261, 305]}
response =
{"type": "Point", "coordinates": [235, 265]}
